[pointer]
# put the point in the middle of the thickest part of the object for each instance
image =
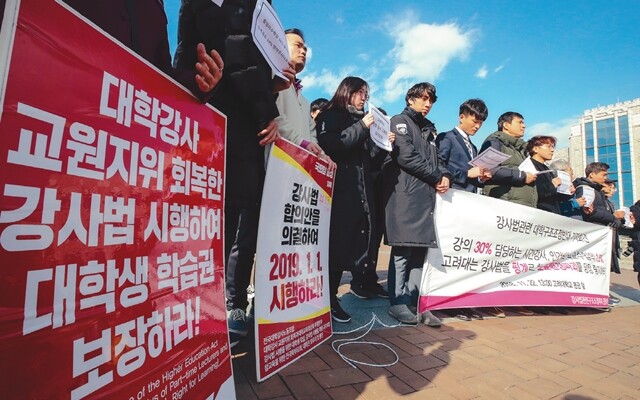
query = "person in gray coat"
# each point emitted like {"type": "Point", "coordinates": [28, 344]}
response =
{"type": "Point", "coordinates": [412, 176]}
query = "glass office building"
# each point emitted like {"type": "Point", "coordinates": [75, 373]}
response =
{"type": "Point", "coordinates": [610, 134]}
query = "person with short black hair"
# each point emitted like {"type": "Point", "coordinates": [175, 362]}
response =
{"type": "Point", "coordinates": [412, 175]}
{"type": "Point", "coordinates": [456, 149]}
{"type": "Point", "coordinates": [295, 122]}
{"type": "Point", "coordinates": [508, 182]}
{"type": "Point", "coordinates": [604, 212]}
{"type": "Point", "coordinates": [541, 149]}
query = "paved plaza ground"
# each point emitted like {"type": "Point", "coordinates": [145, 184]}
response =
{"type": "Point", "coordinates": [585, 355]}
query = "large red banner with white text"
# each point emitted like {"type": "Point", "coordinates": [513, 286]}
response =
{"type": "Point", "coordinates": [111, 199]}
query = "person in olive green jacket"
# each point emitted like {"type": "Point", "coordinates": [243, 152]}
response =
{"type": "Point", "coordinates": [508, 182]}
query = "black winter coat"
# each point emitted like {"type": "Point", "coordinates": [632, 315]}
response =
{"type": "Point", "coordinates": [410, 174]}
{"type": "Point", "coordinates": [244, 94]}
{"type": "Point", "coordinates": [345, 138]}
{"type": "Point", "coordinates": [548, 197]}
{"type": "Point", "coordinates": [602, 214]}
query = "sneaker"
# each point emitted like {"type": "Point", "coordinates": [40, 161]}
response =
{"type": "Point", "coordinates": [458, 313]}
{"type": "Point", "coordinates": [361, 292]}
{"type": "Point", "coordinates": [522, 311]}
{"type": "Point", "coordinates": [473, 313]}
{"type": "Point", "coordinates": [495, 312]}
{"type": "Point", "coordinates": [378, 290]}
{"type": "Point", "coordinates": [402, 313]}
{"type": "Point", "coordinates": [430, 320]}
{"type": "Point", "coordinates": [338, 314]}
{"type": "Point", "coordinates": [237, 324]}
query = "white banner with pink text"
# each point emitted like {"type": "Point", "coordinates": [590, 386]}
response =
{"type": "Point", "coordinates": [496, 253]}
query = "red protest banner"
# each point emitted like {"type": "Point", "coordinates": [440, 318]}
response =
{"type": "Point", "coordinates": [110, 221]}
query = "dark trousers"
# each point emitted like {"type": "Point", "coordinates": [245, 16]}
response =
{"type": "Point", "coordinates": [241, 235]}
{"type": "Point", "coordinates": [405, 274]}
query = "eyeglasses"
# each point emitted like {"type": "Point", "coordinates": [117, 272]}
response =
{"type": "Point", "coordinates": [363, 93]}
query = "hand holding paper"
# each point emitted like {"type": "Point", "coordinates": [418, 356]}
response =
{"type": "Point", "coordinates": [380, 128]}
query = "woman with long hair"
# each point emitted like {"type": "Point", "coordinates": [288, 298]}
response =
{"type": "Point", "coordinates": [343, 133]}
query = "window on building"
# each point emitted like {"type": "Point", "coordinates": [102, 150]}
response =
{"type": "Point", "coordinates": [606, 129]}
{"type": "Point", "coordinates": [627, 189]}
{"type": "Point", "coordinates": [623, 126]}
{"type": "Point", "coordinates": [588, 132]}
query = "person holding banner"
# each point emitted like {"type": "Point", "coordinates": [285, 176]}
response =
{"type": "Point", "coordinates": [508, 182]}
{"type": "Point", "coordinates": [245, 94]}
{"type": "Point", "coordinates": [141, 25]}
{"type": "Point", "coordinates": [456, 150]}
{"type": "Point", "coordinates": [412, 176]}
{"type": "Point", "coordinates": [295, 122]}
{"type": "Point", "coordinates": [344, 134]}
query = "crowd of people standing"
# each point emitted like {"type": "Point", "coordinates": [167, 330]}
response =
{"type": "Point", "coordinates": [376, 192]}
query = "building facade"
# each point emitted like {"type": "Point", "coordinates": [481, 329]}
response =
{"type": "Point", "coordinates": [610, 134]}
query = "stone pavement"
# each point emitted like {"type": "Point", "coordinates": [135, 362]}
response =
{"type": "Point", "coordinates": [585, 355]}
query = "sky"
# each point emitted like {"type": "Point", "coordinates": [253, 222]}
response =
{"type": "Point", "coordinates": [548, 60]}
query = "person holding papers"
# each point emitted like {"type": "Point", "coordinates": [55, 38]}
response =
{"type": "Point", "coordinates": [412, 175]}
{"type": "Point", "coordinates": [571, 207]}
{"type": "Point", "coordinates": [609, 189]}
{"type": "Point", "coordinates": [604, 213]}
{"type": "Point", "coordinates": [508, 182]}
{"type": "Point", "coordinates": [343, 133]}
{"type": "Point", "coordinates": [541, 149]}
{"type": "Point", "coordinates": [245, 94]}
{"type": "Point", "coordinates": [456, 150]}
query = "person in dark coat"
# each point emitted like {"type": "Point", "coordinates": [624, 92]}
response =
{"type": "Point", "coordinates": [635, 237]}
{"type": "Point", "coordinates": [603, 212]}
{"type": "Point", "coordinates": [609, 189]}
{"type": "Point", "coordinates": [343, 133]}
{"type": "Point", "coordinates": [412, 176]}
{"type": "Point", "coordinates": [540, 149]}
{"type": "Point", "coordinates": [141, 25]}
{"type": "Point", "coordinates": [246, 94]}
